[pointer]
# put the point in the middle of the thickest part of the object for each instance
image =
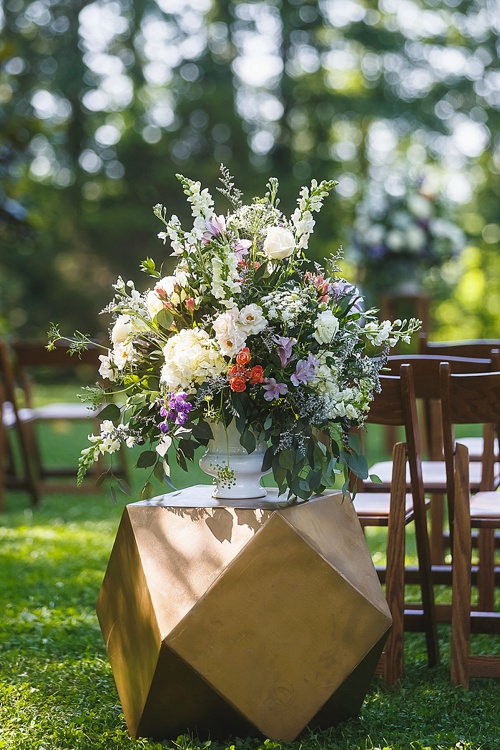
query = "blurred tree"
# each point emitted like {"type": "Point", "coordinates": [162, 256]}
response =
{"type": "Point", "coordinates": [101, 103]}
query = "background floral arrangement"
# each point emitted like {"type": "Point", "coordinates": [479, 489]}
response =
{"type": "Point", "coordinates": [245, 329]}
{"type": "Point", "coordinates": [398, 238]}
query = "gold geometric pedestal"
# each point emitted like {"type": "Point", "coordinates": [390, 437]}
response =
{"type": "Point", "coordinates": [225, 621]}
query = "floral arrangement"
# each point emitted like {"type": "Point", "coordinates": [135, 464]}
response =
{"type": "Point", "coordinates": [245, 329]}
{"type": "Point", "coordinates": [398, 238]}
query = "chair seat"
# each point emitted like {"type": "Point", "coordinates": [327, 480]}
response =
{"type": "Point", "coordinates": [433, 474]}
{"type": "Point", "coordinates": [369, 504]}
{"type": "Point", "coordinates": [485, 505]}
{"type": "Point", "coordinates": [68, 410]}
{"type": "Point", "coordinates": [475, 446]}
{"type": "Point", "coordinates": [9, 416]}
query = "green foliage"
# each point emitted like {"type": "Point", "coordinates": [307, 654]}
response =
{"type": "Point", "coordinates": [82, 160]}
{"type": "Point", "coordinates": [57, 689]}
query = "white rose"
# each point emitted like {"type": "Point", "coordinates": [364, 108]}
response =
{"type": "Point", "coordinates": [166, 285]}
{"type": "Point", "coordinates": [251, 319]}
{"type": "Point", "coordinates": [122, 354]}
{"type": "Point", "coordinates": [326, 325]}
{"type": "Point", "coordinates": [106, 370]}
{"type": "Point", "coordinates": [226, 323]}
{"type": "Point", "coordinates": [279, 243]}
{"type": "Point", "coordinates": [153, 303]}
{"type": "Point", "coordinates": [122, 329]}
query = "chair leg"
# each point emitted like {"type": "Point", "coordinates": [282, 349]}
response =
{"type": "Point", "coordinates": [486, 572]}
{"type": "Point", "coordinates": [461, 585]}
{"type": "Point", "coordinates": [426, 584]}
{"type": "Point", "coordinates": [437, 541]}
{"type": "Point", "coordinates": [395, 569]}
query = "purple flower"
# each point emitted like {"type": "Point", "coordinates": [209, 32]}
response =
{"type": "Point", "coordinates": [285, 345]}
{"type": "Point", "coordinates": [343, 288]}
{"type": "Point", "coordinates": [178, 409]}
{"type": "Point", "coordinates": [273, 389]}
{"type": "Point", "coordinates": [214, 228]}
{"type": "Point", "coordinates": [241, 248]}
{"type": "Point", "coordinates": [305, 370]}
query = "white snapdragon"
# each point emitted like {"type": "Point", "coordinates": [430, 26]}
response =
{"type": "Point", "coordinates": [279, 243]}
{"type": "Point", "coordinates": [378, 333]}
{"type": "Point", "coordinates": [111, 438]}
{"type": "Point", "coordinates": [191, 357]}
{"type": "Point", "coordinates": [201, 208]}
{"type": "Point", "coordinates": [326, 326]}
{"type": "Point", "coordinates": [225, 281]}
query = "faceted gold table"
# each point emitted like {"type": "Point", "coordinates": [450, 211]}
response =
{"type": "Point", "coordinates": [229, 621]}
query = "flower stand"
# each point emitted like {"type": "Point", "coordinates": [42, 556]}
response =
{"type": "Point", "coordinates": [225, 621]}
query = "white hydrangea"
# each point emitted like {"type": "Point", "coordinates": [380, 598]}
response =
{"type": "Point", "coordinates": [191, 357]}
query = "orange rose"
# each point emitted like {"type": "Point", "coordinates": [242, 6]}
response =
{"type": "Point", "coordinates": [238, 383]}
{"type": "Point", "coordinates": [257, 374]}
{"type": "Point", "coordinates": [243, 357]}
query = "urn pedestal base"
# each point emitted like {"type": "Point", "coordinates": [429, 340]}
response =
{"type": "Point", "coordinates": [229, 621]}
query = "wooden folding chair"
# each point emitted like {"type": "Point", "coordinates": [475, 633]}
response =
{"type": "Point", "coordinates": [31, 358]}
{"type": "Point", "coordinates": [425, 368]}
{"type": "Point", "coordinates": [395, 508]}
{"type": "Point", "coordinates": [471, 348]}
{"type": "Point", "coordinates": [18, 469]}
{"type": "Point", "coordinates": [471, 399]}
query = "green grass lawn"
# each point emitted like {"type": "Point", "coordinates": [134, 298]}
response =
{"type": "Point", "coordinates": [56, 687]}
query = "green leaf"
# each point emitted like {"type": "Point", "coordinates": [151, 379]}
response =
{"type": "Point", "coordinates": [248, 441]}
{"type": "Point", "coordinates": [111, 412]}
{"type": "Point", "coordinates": [124, 487]}
{"type": "Point", "coordinates": [287, 458]}
{"type": "Point", "coordinates": [354, 442]}
{"type": "Point", "coordinates": [357, 464]}
{"type": "Point", "coordinates": [202, 431]}
{"type": "Point", "coordinates": [375, 479]}
{"type": "Point", "coordinates": [164, 319]}
{"type": "Point", "coordinates": [260, 273]}
{"type": "Point", "coordinates": [187, 449]}
{"type": "Point", "coordinates": [268, 459]}
{"type": "Point", "coordinates": [146, 459]}
{"type": "Point", "coordinates": [147, 491]}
